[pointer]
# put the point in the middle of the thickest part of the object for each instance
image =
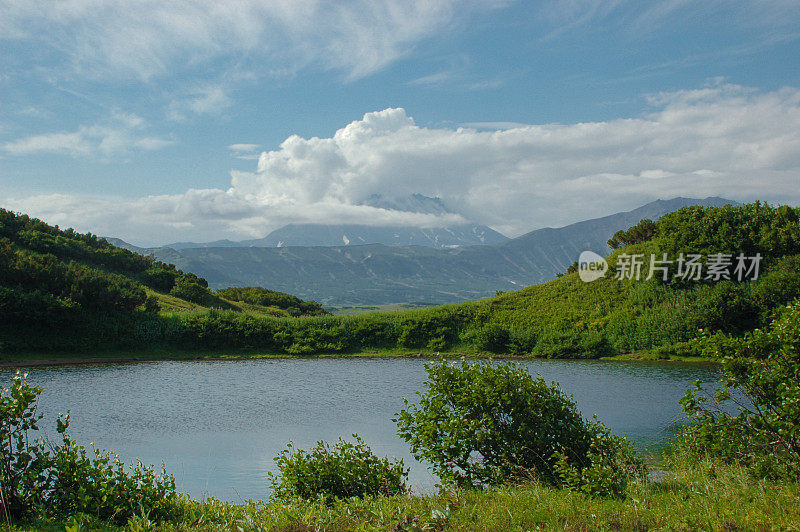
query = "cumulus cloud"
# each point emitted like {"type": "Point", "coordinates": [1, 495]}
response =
{"type": "Point", "coordinates": [721, 140]}
{"type": "Point", "coordinates": [149, 38]}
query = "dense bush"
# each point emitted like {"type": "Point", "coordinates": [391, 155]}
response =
{"type": "Point", "coordinates": [572, 343]}
{"type": "Point", "coordinates": [161, 279]}
{"type": "Point", "coordinates": [481, 424]}
{"type": "Point", "coordinates": [340, 471]}
{"type": "Point", "coordinates": [92, 272]}
{"type": "Point", "coordinates": [191, 291]}
{"type": "Point", "coordinates": [755, 417]}
{"type": "Point", "coordinates": [62, 479]}
{"type": "Point", "coordinates": [490, 337]}
{"type": "Point", "coordinates": [34, 307]}
{"type": "Point", "coordinates": [610, 463]}
{"type": "Point", "coordinates": [778, 286]}
{"type": "Point", "coordinates": [435, 329]}
{"type": "Point", "coordinates": [773, 232]}
{"type": "Point", "coordinates": [91, 288]}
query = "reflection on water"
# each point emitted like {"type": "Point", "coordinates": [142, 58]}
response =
{"type": "Point", "coordinates": [218, 424]}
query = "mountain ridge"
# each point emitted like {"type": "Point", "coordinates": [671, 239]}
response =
{"type": "Point", "coordinates": [378, 274]}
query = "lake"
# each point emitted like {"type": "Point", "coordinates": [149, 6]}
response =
{"type": "Point", "coordinates": [218, 424]}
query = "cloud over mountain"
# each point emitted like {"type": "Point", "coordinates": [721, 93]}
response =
{"type": "Point", "coordinates": [722, 140]}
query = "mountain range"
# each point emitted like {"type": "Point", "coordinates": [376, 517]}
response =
{"type": "Point", "coordinates": [373, 274]}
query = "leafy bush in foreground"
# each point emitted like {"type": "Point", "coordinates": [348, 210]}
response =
{"type": "Point", "coordinates": [61, 480]}
{"type": "Point", "coordinates": [340, 471]}
{"type": "Point", "coordinates": [762, 383]}
{"type": "Point", "coordinates": [481, 424]}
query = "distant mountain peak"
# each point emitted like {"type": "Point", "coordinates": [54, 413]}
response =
{"type": "Point", "coordinates": [418, 203]}
{"type": "Point", "coordinates": [329, 235]}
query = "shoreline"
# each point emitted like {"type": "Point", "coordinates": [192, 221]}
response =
{"type": "Point", "coordinates": [36, 360]}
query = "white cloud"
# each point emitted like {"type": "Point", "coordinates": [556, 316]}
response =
{"type": "Point", "coordinates": [638, 18]}
{"type": "Point", "coordinates": [719, 140]}
{"type": "Point", "coordinates": [150, 38]}
{"type": "Point", "coordinates": [120, 134]}
{"type": "Point", "coordinates": [211, 99]}
{"type": "Point", "coordinates": [244, 148]}
{"type": "Point", "coordinates": [245, 151]}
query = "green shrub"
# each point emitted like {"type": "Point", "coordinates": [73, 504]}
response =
{"type": "Point", "coordinates": [161, 279]}
{"type": "Point", "coordinates": [59, 480]}
{"type": "Point", "coordinates": [641, 232]}
{"type": "Point", "coordinates": [491, 337]}
{"type": "Point", "coordinates": [340, 471]}
{"type": "Point", "coordinates": [97, 483]}
{"type": "Point", "coordinates": [521, 341]}
{"type": "Point", "coordinates": [481, 424]}
{"type": "Point", "coordinates": [754, 418]}
{"type": "Point", "coordinates": [572, 343]}
{"type": "Point", "coordinates": [608, 466]}
{"type": "Point", "coordinates": [23, 462]}
{"type": "Point", "coordinates": [191, 291]}
{"type": "Point", "coordinates": [372, 330]}
{"type": "Point", "coordinates": [435, 328]}
{"type": "Point", "coordinates": [778, 286]}
{"type": "Point", "coordinates": [726, 306]}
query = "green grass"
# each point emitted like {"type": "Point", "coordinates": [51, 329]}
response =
{"type": "Point", "coordinates": [170, 303]}
{"type": "Point", "coordinates": [705, 496]}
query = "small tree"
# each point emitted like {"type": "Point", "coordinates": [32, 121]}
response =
{"type": "Point", "coordinates": [641, 232]}
{"type": "Point", "coordinates": [762, 384]}
{"type": "Point", "coordinates": [343, 470]}
{"type": "Point", "coordinates": [23, 463]}
{"type": "Point", "coordinates": [480, 424]}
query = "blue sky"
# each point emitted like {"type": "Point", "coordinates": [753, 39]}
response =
{"type": "Point", "coordinates": [119, 117]}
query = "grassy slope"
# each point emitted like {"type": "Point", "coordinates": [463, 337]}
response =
{"type": "Point", "coordinates": [170, 303]}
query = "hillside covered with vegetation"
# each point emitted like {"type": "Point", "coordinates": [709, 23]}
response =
{"type": "Point", "coordinates": [96, 296]}
{"type": "Point", "coordinates": [60, 289]}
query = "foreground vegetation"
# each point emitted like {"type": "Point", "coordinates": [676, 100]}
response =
{"type": "Point", "coordinates": [697, 496]}
{"type": "Point", "coordinates": [728, 470]}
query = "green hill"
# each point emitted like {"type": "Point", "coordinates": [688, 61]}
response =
{"type": "Point", "coordinates": [63, 289]}
{"type": "Point", "coordinates": [86, 294]}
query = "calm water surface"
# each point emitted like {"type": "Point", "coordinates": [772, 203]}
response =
{"type": "Point", "coordinates": [218, 424]}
